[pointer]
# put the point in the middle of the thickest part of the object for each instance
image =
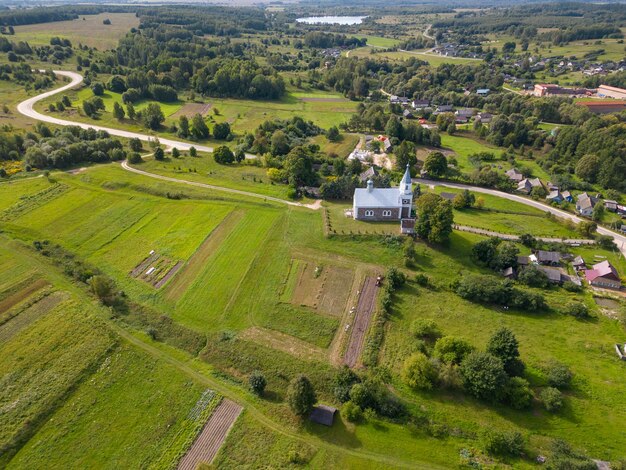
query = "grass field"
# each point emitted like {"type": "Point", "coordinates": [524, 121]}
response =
{"type": "Point", "coordinates": [245, 287]}
{"type": "Point", "coordinates": [87, 30]}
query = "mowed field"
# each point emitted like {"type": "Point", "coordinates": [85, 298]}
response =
{"type": "Point", "coordinates": [87, 30]}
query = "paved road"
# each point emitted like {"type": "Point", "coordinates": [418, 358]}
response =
{"type": "Point", "coordinates": [620, 240]}
{"type": "Point", "coordinates": [26, 108]}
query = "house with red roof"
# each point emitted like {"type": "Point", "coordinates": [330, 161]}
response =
{"type": "Point", "coordinates": [603, 275]}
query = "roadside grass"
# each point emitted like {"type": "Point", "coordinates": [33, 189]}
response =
{"type": "Point", "coordinates": [87, 30]}
{"type": "Point", "coordinates": [128, 412]}
{"type": "Point", "coordinates": [343, 148]}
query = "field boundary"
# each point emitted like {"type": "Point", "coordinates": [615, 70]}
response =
{"type": "Point", "coordinates": [22, 294]}
{"type": "Point", "coordinates": [284, 342]}
{"type": "Point", "coordinates": [213, 434]}
{"type": "Point", "coordinates": [30, 315]}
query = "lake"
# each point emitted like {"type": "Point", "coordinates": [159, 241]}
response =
{"type": "Point", "coordinates": [344, 20]}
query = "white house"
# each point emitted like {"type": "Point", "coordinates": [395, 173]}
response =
{"type": "Point", "coordinates": [378, 204]}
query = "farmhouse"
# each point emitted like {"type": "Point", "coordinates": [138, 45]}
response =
{"type": "Point", "coordinates": [550, 258]}
{"type": "Point", "coordinates": [585, 204]}
{"type": "Point", "coordinates": [515, 175]}
{"type": "Point", "coordinates": [377, 204]}
{"type": "Point", "coordinates": [526, 185]}
{"type": "Point", "coordinates": [603, 274]}
{"type": "Point", "coordinates": [604, 107]}
{"type": "Point", "coordinates": [606, 91]}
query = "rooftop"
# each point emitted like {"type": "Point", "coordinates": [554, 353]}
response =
{"type": "Point", "coordinates": [323, 414]}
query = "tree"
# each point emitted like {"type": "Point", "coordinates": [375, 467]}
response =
{"type": "Point", "coordinates": [135, 158]}
{"type": "Point", "coordinates": [333, 134]}
{"type": "Point", "coordinates": [159, 154]}
{"type": "Point", "coordinates": [508, 47]}
{"type": "Point", "coordinates": [152, 116]}
{"type": "Point", "coordinates": [223, 155]}
{"type": "Point", "coordinates": [434, 218]}
{"type": "Point", "coordinates": [559, 375]}
{"type": "Point", "coordinates": [175, 152]}
{"type": "Point", "coordinates": [532, 276]}
{"type": "Point", "coordinates": [130, 111]}
{"type": "Point", "coordinates": [587, 228]}
{"type": "Point", "coordinates": [118, 111]}
{"type": "Point", "coordinates": [588, 168]}
{"type": "Point", "coordinates": [344, 380]}
{"type": "Point", "coordinates": [452, 350]}
{"type": "Point", "coordinates": [193, 152]}
{"type": "Point", "coordinates": [199, 129]}
{"type": "Point", "coordinates": [117, 84]}
{"type": "Point", "coordinates": [103, 288]}
{"type": "Point", "coordinates": [405, 155]}
{"type": "Point", "coordinates": [598, 212]}
{"type": "Point", "coordinates": [66, 101]}
{"type": "Point", "coordinates": [422, 328]}
{"type": "Point", "coordinates": [257, 382]}
{"type": "Point", "coordinates": [135, 144]}
{"type": "Point", "coordinates": [503, 345]}
{"type": "Point", "coordinates": [279, 143]}
{"type": "Point", "coordinates": [518, 394]}
{"type": "Point", "coordinates": [221, 131]}
{"type": "Point", "coordinates": [419, 372]}
{"type": "Point", "coordinates": [352, 412]}
{"type": "Point", "coordinates": [183, 126]}
{"type": "Point", "coordinates": [483, 376]}
{"type": "Point", "coordinates": [301, 395]}
{"type": "Point", "coordinates": [298, 167]}
{"type": "Point", "coordinates": [393, 128]}
{"type": "Point", "coordinates": [98, 89]}
{"type": "Point", "coordinates": [436, 164]}
{"type": "Point", "coordinates": [444, 120]}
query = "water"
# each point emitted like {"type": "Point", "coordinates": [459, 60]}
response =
{"type": "Point", "coordinates": [343, 20]}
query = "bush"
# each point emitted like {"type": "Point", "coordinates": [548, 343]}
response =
{"type": "Point", "coordinates": [257, 382]}
{"type": "Point", "coordinates": [344, 380]}
{"type": "Point", "coordinates": [352, 412]}
{"type": "Point", "coordinates": [552, 399]}
{"type": "Point", "coordinates": [159, 154]}
{"type": "Point", "coordinates": [503, 443]}
{"type": "Point", "coordinates": [422, 328]}
{"type": "Point", "coordinates": [518, 394]}
{"type": "Point", "coordinates": [395, 278]}
{"type": "Point", "coordinates": [571, 287]}
{"type": "Point", "coordinates": [452, 350]}
{"type": "Point", "coordinates": [577, 309]}
{"type": "Point", "coordinates": [559, 375]}
{"type": "Point", "coordinates": [419, 372]}
{"type": "Point", "coordinates": [422, 279]}
{"type": "Point", "coordinates": [483, 376]}
{"type": "Point", "coordinates": [223, 155]}
{"type": "Point", "coordinates": [503, 345]}
{"type": "Point", "coordinates": [301, 395]}
{"type": "Point", "coordinates": [534, 277]}
{"type": "Point", "coordinates": [134, 158]}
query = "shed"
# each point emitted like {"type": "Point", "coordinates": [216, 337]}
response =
{"type": "Point", "coordinates": [548, 257]}
{"type": "Point", "coordinates": [323, 414]}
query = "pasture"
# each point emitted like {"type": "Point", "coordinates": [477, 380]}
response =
{"type": "Point", "coordinates": [87, 30]}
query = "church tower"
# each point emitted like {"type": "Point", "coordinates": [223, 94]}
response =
{"type": "Point", "coordinates": [406, 194]}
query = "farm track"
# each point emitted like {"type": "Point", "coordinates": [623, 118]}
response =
{"type": "Point", "coordinates": [210, 440]}
{"type": "Point", "coordinates": [362, 320]}
{"type": "Point", "coordinates": [27, 109]}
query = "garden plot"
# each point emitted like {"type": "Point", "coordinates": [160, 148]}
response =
{"type": "Point", "coordinates": [320, 287]}
{"type": "Point", "coordinates": [156, 269]}
{"type": "Point", "coordinates": [191, 109]}
{"type": "Point", "coordinates": [30, 314]}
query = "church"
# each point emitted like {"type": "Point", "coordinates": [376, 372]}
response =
{"type": "Point", "coordinates": [384, 204]}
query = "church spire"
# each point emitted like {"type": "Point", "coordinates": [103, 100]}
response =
{"type": "Point", "coordinates": [405, 184]}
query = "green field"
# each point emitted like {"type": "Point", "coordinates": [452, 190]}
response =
{"type": "Point", "coordinates": [87, 30]}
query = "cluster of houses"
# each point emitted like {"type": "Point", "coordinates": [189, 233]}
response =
{"type": "Point", "coordinates": [559, 65]}
{"type": "Point", "coordinates": [551, 263]}
{"type": "Point", "coordinates": [421, 107]}
{"type": "Point", "coordinates": [585, 203]}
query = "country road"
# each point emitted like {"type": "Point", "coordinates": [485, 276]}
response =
{"type": "Point", "coordinates": [26, 108]}
{"type": "Point", "coordinates": [620, 240]}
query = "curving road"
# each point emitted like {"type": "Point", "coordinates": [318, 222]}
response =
{"type": "Point", "coordinates": [620, 240]}
{"type": "Point", "coordinates": [26, 108]}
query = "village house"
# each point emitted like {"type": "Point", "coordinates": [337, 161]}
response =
{"type": "Point", "coordinates": [463, 115]}
{"type": "Point", "coordinates": [555, 196]}
{"type": "Point", "coordinates": [548, 258]}
{"type": "Point", "coordinates": [514, 175]}
{"type": "Point", "coordinates": [368, 174]}
{"type": "Point", "coordinates": [483, 91]}
{"type": "Point", "coordinates": [567, 196]}
{"type": "Point", "coordinates": [526, 185]}
{"type": "Point", "coordinates": [419, 104]}
{"type": "Point", "coordinates": [603, 275]}
{"type": "Point", "coordinates": [585, 204]}
{"type": "Point", "coordinates": [379, 204]}
{"type": "Point", "coordinates": [610, 206]}
{"type": "Point", "coordinates": [484, 118]}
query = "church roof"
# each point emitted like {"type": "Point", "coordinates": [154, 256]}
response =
{"type": "Point", "coordinates": [377, 197]}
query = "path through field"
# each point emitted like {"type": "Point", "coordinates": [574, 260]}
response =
{"type": "Point", "coordinates": [212, 436]}
{"type": "Point", "coordinates": [362, 319]}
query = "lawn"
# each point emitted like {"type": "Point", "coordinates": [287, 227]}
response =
{"type": "Point", "coordinates": [87, 30]}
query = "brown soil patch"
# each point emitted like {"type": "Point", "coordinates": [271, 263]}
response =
{"type": "Point", "coordinates": [198, 260]}
{"type": "Point", "coordinates": [23, 294]}
{"type": "Point", "coordinates": [156, 269]}
{"type": "Point", "coordinates": [362, 319]}
{"type": "Point", "coordinates": [212, 436]}
{"type": "Point", "coordinates": [423, 152]}
{"type": "Point", "coordinates": [11, 328]}
{"type": "Point", "coordinates": [328, 292]}
{"type": "Point", "coordinates": [284, 342]}
{"type": "Point", "coordinates": [191, 109]}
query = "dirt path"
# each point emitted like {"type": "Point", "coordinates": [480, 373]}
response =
{"type": "Point", "coordinates": [508, 236]}
{"type": "Point", "coordinates": [362, 319]}
{"type": "Point", "coordinates": [207, 445]}
{"type": "Point", "coordinates": [284, 342]}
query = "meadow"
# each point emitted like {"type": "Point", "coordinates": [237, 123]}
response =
{"type": "Point", "coordinates": [87, 30]}
{"type": "Point", "coordinates": [237, 287]}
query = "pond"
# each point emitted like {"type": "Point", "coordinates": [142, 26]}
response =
{"type": "Point", "coordinates": [342, 20]}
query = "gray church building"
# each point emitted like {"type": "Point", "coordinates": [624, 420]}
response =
{"type": "Point", "coordinates": [382, 204]}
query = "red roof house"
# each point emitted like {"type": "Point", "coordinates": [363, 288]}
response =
{"type": "Point", "coordinates": [603, 274]}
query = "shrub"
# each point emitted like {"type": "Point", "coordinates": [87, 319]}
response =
{"type": "Point", "coordinates": [577, 309]}
{"type": "Point", "coordinates": [559, 375]}
{"type": "Point", "coordinates": [419, 372]}
{"type": "Point", "coordinates": [452, 350]}
{"type": "Point", "coordinates": [503, 345]}
{"type": "Point", "coordinates": [159, 154]}
{"type": "Point", "coordinates": [518, 394]}
{"type": "Point", "coordinates": [534, 277]}
{"type": "Point", "coordinates": [422, 328]}
{"type": "Point", "coordinates": [134, 158]}
{"type": "Point", "coordinates": [503, 443]}
{"type": "Point", "coordinates": [422, 279]}
{"type": "Point", "coordinates": [257, 382]}
{"type": "Point", "coordinates": [449, 376]}
{"type": "Point", "coordinates": [301, 395]}
{"type": "Point", "coordinates": [352, 412]}
{"type": "Point", "coordinates": [344, 380]}
{"type": "Point", "coordinates": [483, 375]}
{"type": "Point", "coordinates": [223, 155]}
{"type": "Point", "coordinates": [565, 458]}
{"type": "Point", "coordinates": [552, 399]}
{"type": "Point", "coordinates": [395, 278]}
